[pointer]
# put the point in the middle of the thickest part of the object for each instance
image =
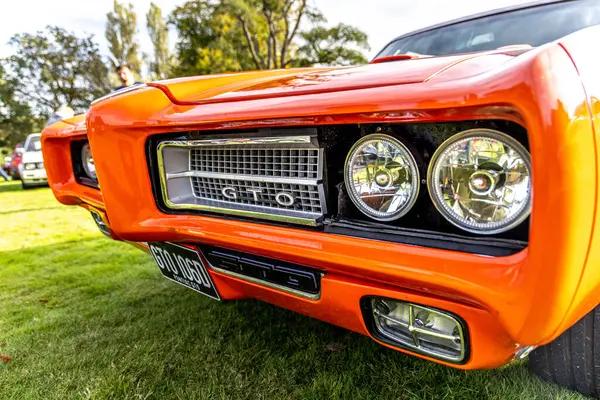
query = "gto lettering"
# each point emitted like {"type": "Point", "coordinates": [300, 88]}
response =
{"type": "Point", "coordinates": [229, 193]}
{"type": "Point", "coordinates": [255, 193]}
{"type": "Point", "coordinates": [283, 198]}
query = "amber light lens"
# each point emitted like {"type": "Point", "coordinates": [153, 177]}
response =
{"type": "Point", "coordinates": [480, 181]}
{"type": "Point", "coordinates": [382, 177]}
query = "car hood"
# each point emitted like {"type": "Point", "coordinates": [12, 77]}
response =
{"type": "Point", "coordinates": [32, 157]}
{"type": "Point", "coordinates": [291, 82]}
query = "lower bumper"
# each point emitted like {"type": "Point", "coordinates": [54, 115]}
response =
{"type": "Point", "coordinates": [340, 304]}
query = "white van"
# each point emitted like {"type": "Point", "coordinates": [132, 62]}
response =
{"type": "Point", "coordinates": [32, 169]}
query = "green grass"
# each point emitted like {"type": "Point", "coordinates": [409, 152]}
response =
{"type": "Point", "coordinates": [113, 328]}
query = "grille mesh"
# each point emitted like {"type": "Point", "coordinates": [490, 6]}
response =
{"type": "Point", "coordinates": [285, 163]}
{"type": "Point", "coordinates": [306, 196]}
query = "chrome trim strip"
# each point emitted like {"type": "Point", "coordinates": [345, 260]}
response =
{"type": "Point", "coordinates": [239, 141]}
{"type": "Point", "coordinates": [315, 216]}
{"type": "Point", "coordinates": [243, 213]}
{"type": "Point", "coordinates": [252, 178]}
{"type": "Point", "coordinates": [265, 283]}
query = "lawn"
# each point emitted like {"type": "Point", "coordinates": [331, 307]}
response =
{"type": "Point", "coordinates": [85, 317]}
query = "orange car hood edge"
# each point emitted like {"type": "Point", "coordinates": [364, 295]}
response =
{"type": "Point", "coordinates": [293, 82]}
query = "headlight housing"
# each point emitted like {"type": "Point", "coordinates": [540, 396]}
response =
{"type": "Point", "coordinates": [382, 177]}
{"type": "Point", "coordinates": [87, 162]}
{"type": "Point", "coordinates": [39, 165]}
{"type": "Point", "coordinates": [83, 164]}
{"type": "Point", "coordinates": [29, 166]}
{"type": "Point", "coordinates": [480, 181]}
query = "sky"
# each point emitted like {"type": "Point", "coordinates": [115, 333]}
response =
{"type": "Point", "coordinates": [382, 20]}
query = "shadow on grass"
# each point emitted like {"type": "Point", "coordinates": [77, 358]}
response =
{"type": "Point", "coordinates": [10, 186]}
{"type": "Point", "coordinates": [24, 210]}
{"type": "Point", "coordinates": [114, 328]}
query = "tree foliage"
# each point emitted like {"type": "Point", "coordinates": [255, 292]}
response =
{"type": "Point", "coordinates": [159, 36]}
{"type": "Point", "coordinates": [121, 34]}
{"type": "Point", "coordinates": [237, 35]}
{"type": "Point", "coordinates": [210, 40]}
{"type": "Point", "coordinates": [55, 68]}
{"type": "Point", "coordinates": [269, 27]}
{"type": "Point", "coordinates": [16, 118]}
{"type": "Point", "coordinates": [340, 45]}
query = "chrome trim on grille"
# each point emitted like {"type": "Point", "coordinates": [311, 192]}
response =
{"type": "Point", "coordinates": [199, 174]}
{"type": "Point", "coordinates": [261, 282]}
{"type": "Point", "coordinates": [259, 140]}
{"type": "Point", "coordinates": [260, 174]}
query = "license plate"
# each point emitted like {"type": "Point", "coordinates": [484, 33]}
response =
{"type": "Point", "coordinates": [184, 266]}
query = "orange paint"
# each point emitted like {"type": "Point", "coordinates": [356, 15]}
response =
{"type": "Point", "coordinates": [527, 298]}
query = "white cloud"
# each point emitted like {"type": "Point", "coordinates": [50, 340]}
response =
{"type": "Point", "coordinates": [382, 20]}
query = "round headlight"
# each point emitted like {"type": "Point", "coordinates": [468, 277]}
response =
{"type": "Point", "coordinates": [88, 161]}
{"type": "Point", "coordinates": [480, 180]}
{"type": "Point", "coordinates": [382, 177]}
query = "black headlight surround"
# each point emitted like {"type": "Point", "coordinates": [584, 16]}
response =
{"type": "Point", "coordinates": [77, 163]}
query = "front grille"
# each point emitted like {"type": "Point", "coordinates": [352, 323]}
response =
{"type": "Point", "coordinates": [277, 178]}
{"type": "Point", "coordinates": [306, 196]}
{"type": "Point", "coordinates": [287, 163]}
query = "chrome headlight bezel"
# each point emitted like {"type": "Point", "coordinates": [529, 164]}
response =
{"type": "Point", "coordinates": [82, 172]}
{"type": "Point", "coordinates": [414, 178]}
{"type": "Point", "coordinates": [87, 162]}
{"type": "Point", "coordinates": [437, 196]}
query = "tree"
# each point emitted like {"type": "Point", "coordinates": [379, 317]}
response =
{"type": "Point", "coordinates": [209, 41]}
{"type": "Point", "coordinates": [121, 32]}
{"type": "Point", "coordinates": [159, 35]}
{"type": "Point", "coordinates": [55, 68]}
{"type": "Point", "coordinates": [270, 26]}
{"type": "Point", "coordinates": [239, 35]}
{"type": "Point", "coordinates": [16, 119]}
{"type": "Point", "coordinates": [339, 45]}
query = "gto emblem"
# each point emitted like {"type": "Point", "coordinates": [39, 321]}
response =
{"type": "Point", "coordinates": [282, 198]}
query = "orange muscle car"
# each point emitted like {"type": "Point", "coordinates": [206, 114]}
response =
{"type": "Point", "coordinates": [442, 200]}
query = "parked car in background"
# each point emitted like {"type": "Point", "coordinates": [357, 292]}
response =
{"type": "Point", "coordinates": [31, 168]}
{"type": "Point", "coordinates": [12, 167]}
{"type": "Point", "coordinates": [394, 199]}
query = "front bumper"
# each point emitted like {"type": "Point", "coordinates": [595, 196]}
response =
{"type": "Point", "coordinates": [340, 301]}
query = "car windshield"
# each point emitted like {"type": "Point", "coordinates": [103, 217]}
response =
{"type": "Point", "coordinates": [531, 26]}
{"type": "Point", "coordinates": [34, 144]}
